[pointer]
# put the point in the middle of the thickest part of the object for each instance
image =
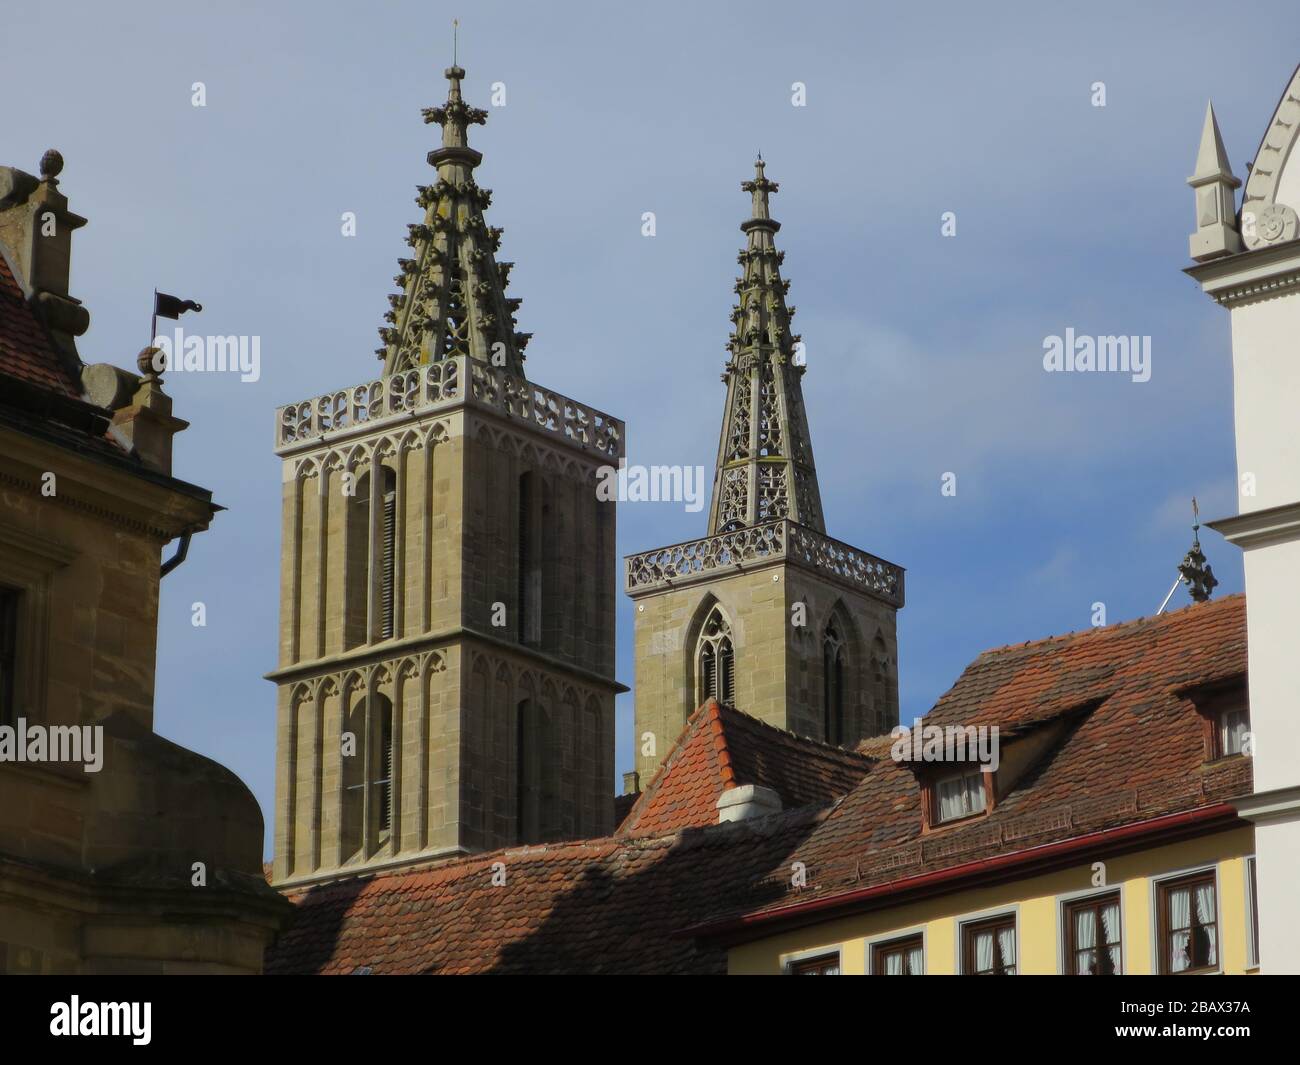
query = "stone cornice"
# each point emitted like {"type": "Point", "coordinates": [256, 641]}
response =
{"type": "Point", "coordinates": [140, 505]}
{"type": "Point", "coordinates": [1259, 528]}
{"type": "Point", "coordinates": [1268, 807]}
{"type": "Point", "coordinates": [434, 641]}
{"type": "Point", "coordinates": [1251, 276]}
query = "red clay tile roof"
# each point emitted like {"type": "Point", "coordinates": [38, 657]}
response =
{"type": "Point", "coordinates": [601, 906]}
{"type": "Point", "coordinates": [1133, 753]}
{"type": "Point", "coordinates": [1136, 753]}
{"type": "Point", "coordinates": [26, 351]}
{"type": "Point", "coordinates": [721, 748]}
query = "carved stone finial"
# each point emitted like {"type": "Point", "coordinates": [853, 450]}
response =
{"type": "Point", "coordinates": [51, 166]}
{"type": "Point", "coordinates": [151, 362]}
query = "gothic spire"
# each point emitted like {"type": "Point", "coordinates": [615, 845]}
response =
{"type": "Point", "coordinates": [452, 290]}
{"type": "Point", "coordinates": [765, 461]}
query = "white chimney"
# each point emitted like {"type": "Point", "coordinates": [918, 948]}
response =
{"type": "Point", "coordinates": [746, 801]}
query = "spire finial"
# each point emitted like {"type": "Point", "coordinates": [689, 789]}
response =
{"type": "Point", "coordinates": [760, 187]}
{"type": "Point", "coordinates": [455, 116]}
{"type": "Point", "coordinates": [455, 41]}
{"type": "Point", "coordinates": [1215, 190]}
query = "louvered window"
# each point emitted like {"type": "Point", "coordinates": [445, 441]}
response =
{"type": "Point", "coordinates": [387, 555]}
{"type": "Point", "coordinates": [716, 661]}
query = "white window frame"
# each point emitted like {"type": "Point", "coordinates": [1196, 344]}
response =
{"type": "Point", "coordinates": [1069, 897]}
{"type": "Point", "coordinates": [1222, 725]}
{"type": "Point", "coordinates": [788, 961]}
{"type": "Point", "coordinates": [1012, 909]}
{"type": "Point", "coordinates": [900, 933]}
{"type": "Point", "coordinates": [1153, 901]}
{"type": "Point", "coordinates": [963, 774]}
{"type": "Point", "coordinates": [1252, 906]}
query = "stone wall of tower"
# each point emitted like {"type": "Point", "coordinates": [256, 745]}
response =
{"type": "Point", "coordinates": [778, 664]}
{"type": "Point", "coordinates": [457, 670]}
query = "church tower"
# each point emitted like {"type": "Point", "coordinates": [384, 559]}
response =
{"type": "Point", "coordinates": [766, 613]}
{"type": "Point", "coordinates": [446, 678]}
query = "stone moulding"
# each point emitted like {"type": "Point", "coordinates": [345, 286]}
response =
{"type": "Point", "coordinates": [782, 540]}
{"type": "Point", "coordinates": [440, 386]}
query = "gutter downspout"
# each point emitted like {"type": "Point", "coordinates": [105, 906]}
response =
{"type": "Point", "coordinates": [182, 549]}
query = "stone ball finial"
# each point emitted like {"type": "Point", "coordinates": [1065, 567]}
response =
{"type": "Point", "coordinates": [152, 362]}
{"type": "Point", "coordinates": [51, 166]}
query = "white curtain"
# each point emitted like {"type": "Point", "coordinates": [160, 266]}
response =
{"type": "Point", "coordinates": [1205, 914]}
{"type": "Point", "coordinates": [983, 952]}
{"type": "Point", "coordinates": [1180, 917]}
{"type": "Point", "coordinates": [916, 961]}
{"type": "Point", "coordinates": [1007, 941]}
{"type": "Point", "coordinates": [950, 799]}
{"type": "Point", "coordinates": [1235, 727]}
{"type": "Point", "coordinates": [1110, 934]}
{"type": "Point", "coordinates": [893, 964]}
{"type": "Point", "coordinates": [1085, 941]}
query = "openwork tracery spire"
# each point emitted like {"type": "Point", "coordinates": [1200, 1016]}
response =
{"type": "Point", "coordinates": [452, 290]}
{"type": "Point", "coordinates": [765, 461]}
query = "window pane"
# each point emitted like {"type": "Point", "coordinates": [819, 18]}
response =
{"type": "Point", "coordinates": [1190, 922]}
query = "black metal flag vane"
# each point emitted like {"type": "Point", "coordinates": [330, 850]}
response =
{"type": "Point", "coordinates": [165, 306]}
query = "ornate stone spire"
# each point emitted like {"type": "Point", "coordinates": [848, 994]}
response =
{"type": "Point", "coordinates": [765, 461]}
{"type": "Point", "coordinates": [452, 291]}
{"type": "Point", "coordinates": [1216, 212]}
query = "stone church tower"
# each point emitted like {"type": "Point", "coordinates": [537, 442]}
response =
{"type": "Point", "coordinates": [446, 679]}
{"type": "Point", "coordinates": [766, 613]}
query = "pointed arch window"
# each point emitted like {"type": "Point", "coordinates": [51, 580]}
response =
{"type": "Point", "coordinates": [716, 660]}
{"type": "Point", "coordinates": [833, 685]}
{"type": "Point", "coordinates": [371, 559]}
{"type": "Point", "coordinates": [368, 759]}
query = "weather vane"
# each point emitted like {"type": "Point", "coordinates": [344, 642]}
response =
{"type": "Point", "coordinates": [1194, 571]}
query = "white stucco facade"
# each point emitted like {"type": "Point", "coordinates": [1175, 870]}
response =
{"type": "Point", "coordinates": [1250, 264]}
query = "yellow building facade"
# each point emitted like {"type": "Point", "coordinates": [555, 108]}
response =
{"type": "Point", "coordinates": [1039, 906]}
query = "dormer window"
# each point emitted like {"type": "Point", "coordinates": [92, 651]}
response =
{"type": "Point", "coordinates": [959, 795]}
{"type": "Point", "coordinates": [1234, 731]}
{"type": "Point", "coordinates": [1224, 714]}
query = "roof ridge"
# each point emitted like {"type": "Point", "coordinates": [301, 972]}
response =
{"type": "Point", "coordinates": [1099, 630]}
{"type": "Point", "coordinates": [717, 727]}
{"type": "Point", "coordinates": [818, 746]}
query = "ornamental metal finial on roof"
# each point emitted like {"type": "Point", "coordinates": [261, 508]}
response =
{"type": "Point", "coordinates": [451, 299]}
{"type": "Point", "coordinates": [765, 464]}
{"type": "Point", "coordinates": [1195, 570]}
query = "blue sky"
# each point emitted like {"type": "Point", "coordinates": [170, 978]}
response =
{"type": "Point", "coordinates": [924, 352]}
